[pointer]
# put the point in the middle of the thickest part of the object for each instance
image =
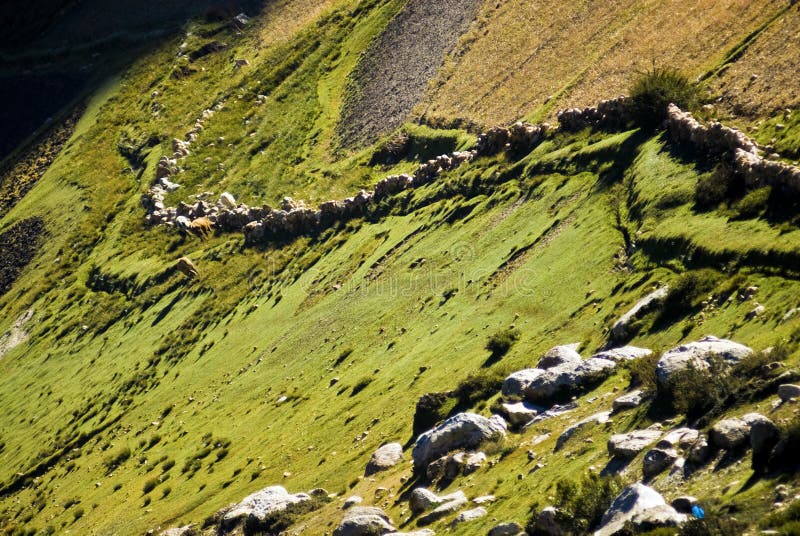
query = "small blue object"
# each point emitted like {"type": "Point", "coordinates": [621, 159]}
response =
{"type": "Point", "coordinates": [698, 511]}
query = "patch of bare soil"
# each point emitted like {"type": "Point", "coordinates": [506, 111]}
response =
{"type": "Point", "coordinates": [392, 76]}
{"type": "Point", "coordinates": [16, 335]}
{"type": "Point", "coordinates": [18, 245]}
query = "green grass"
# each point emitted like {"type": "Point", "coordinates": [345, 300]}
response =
{"type": "Point", "coordinates": [198, 393]}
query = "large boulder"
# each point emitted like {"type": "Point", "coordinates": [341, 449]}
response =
{"type": "Point", "coordinates": [621, 328]}
{"type": "Point", "coordinates": [384, 458]}
{"type": "Point", "coordinates": [423, 499]}
{"type": "Point", "coordinates": [730, 434]}
{"type": "Point", "coordinates": [453, 465]}
{"type": "Point", "coordinates": [628, 401]}
{"type": "Point", "coordinates": [641, 506]}
{"type": "Point", "coordinates": [569, 378]}
{"type": "Point", "coordinates": [462, 431]}
{"type": "Point", "coordinates": [443, 510]}
{"type": "Point", "coordinates": [699, 355]}
{"type": "Point", "coordinates": [682, 437]}
{"type": "Point", "coordinates": [263, 504]}
{"type": "Point", "coordinates": [364, 521]}
{"type": "Point", "coordinates": [788, 391]}
{"type": "Point", "coordinates": [517, 382]}
{"type": "Point", "coordinates": [560, 355]}
{"type": "Point", "coordinates": [628, 445]}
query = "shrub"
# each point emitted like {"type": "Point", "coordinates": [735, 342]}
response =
{"type": "Point", "coordinates": [753, 204]}
{"type": "Point", "coordinates": [583, 502]}
{"type": "Point", "coordinates": [643, 373]}
{"type": "Point", "coordinates": [361, 385]}
{"type": "Point", "coordinates": [694, 392]}
{"type": "Point", "coordinates": [656, 88]}
{"type": "Point", "coordinates": [502, 341]}
{"type": "Point", "coordinates": [117, 459]}
{"type": "Point", "coordinates": [685, 293]}
{"type": "Point", "coordinates": [77, 513]}
{"type": "Point", "coordinates": [150, 485]}
{"type": "Point", "coordinates": [478, 386]}
{"type": "Point", "coordinates": [714, 188]}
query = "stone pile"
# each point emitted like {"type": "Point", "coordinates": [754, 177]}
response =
{"type": "Point", "coordinates": [607, 114]}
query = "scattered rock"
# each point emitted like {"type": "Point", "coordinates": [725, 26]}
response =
{"type": "Point", "coordinates": [657, 460]}
{"type": "Point", "coordinates": [552, 522]}
{"type": "Point", "coordinates": [628, 445]}
{"type": "Point", "coordinates": [566, 354]}
{"type": "Point", "coordinates": [506, 529]}
{"type": "Point", "coordinates": [364, 521]}
{"type": "Point", "coordinates": [469, 515]}
{"type": "Point", "coordinates": [628, 401]}
{"type": "Point", "coordinates": [642, 507]}
{"type": "Point", "coordinates": [352, 501]}
{"type": "Point", "coordinates": [679, 437]}
{"type": "Point", "coordinates": [730, 434]}
{"type": "Point", "coordinates": [700, 451]}
{"type": "Point", "coordinates": [521, 413]}
{"type": "Point", "coordinates": [484, 499]}
{"type": "Point", "coordinates": [384, 458]}
{"type": "Point", "coordinates": [465, 430]}
{"type": "Point", "coordinates": [453, 465]}
{"type": "Point", "coordinates": [446, 508]}
{"type": "Point", "coordinates": [788, 391]}
{"type": "Point", "coordinates": [422, 499]}
{"type": "Point", "coordinates": [699, 354]}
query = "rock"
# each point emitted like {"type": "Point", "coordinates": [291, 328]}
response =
{"type": "Point", "coordinates": [384, 458]}
{"type": "Point", "coordinates": [560, 355]}
{"type": "Point", "coordinates": [567, 379]}
{"type": "Point", "coordinates": [227, 200]}
{"type": "Point", "coordinates": [730, 434]}
{"type": "Point", "coordinates": [188, 530]}
{"type": "Point", "coordinates": [700, 451]}
{"type": "Point", "coordinates": [620, 329]}
{"type": "Point", "coordinates": [521, 413]}
{"type": "Point", "coordinates": [642, 507]}
{"type": "Point", "coordinates": [352, 501]}
{"type": "Point", "coordinates": [684, 504]}
{"type": "Point", "coordinates": [484, 499]}
{"type": "Point", "coordinates": [469, 515]}
{"type": "Point", "coordinates": [423, 532]}
{"type": "Point", "coordinates": [453, 465]}
{"type": "Point", "coordinates": [699, 354]}
{"type": "Point", "coordinates": [763, 432]}
{"type": "Point", "coordinates": [422, 499]}
{"type": "Point", "coordinates": [464, 430]}
{"type": "Point", "coordinates": [552, 522]}
{"type": "Point", "coordinates": [788, 391]}
{"type": "Point", "coordinates": [628, 401]}
{"type": "Point", "coordinates": [656, 460]}
{"type": "Point", "coordinates": [628, 445]}
{"type": "Point", "coordinates": [506, 529]}
{"type": "Point", "coordinates": [446, 508]}
{"type": "Point", "coordinates": [625, 353]}
{"type": "Point", "coordinates": [516, 383]}
{"type": "Point", "coordinates": [679, 437]}
{"type": "Point", "coordinates": [262, 504]}
{"type": "Point", "coordinates": [364, 521]}
{"type": "Point", "coordinates": [597, 418]}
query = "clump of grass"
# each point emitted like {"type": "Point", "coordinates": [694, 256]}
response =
{"type": "Point", "coordinates": [478, 386]}
{"type": "Point", "coordinates": [656, 88]}
{"type": "Point", "coordinates": [685, 294]}
{"type": "Point", "coordinates": [714, 188]}
{"type": "Point", "coordinates": [642, 373]}
{"type": "Point", "coordinates": [361, 385]}
{"type": "Point", "coordinates": [117, 459]}
{"type": "Point", "coordinates": [502, 341]}
{"type": "Point", "coordinates": [150, 485]}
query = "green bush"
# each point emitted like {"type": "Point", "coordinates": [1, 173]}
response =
{"type": "Point", "coordinates": [478, 386]}
{"type": "Point", "coordinates": [714, 188]}
{"type": "Point", "coordinates": [684, 295]}
{"type": "Point", "coordinates": [583, 502]}
{"type": "Point", "coordinates": [643, 373]}
{"type": "Point", "coordinates": [753, 204]}
{"type": "Point", "coordinates": [695, 392]}
{"type": "Point", "coordinates": [117, 459]}
{"type": "Point", "coordinates": [656, 88]}
{"type": "Point", "coordinates": [150, 485]}
{"type": "Point", "coordinates": [502, 341]}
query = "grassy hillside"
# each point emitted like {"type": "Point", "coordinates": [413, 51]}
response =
{"type": "Point", "coordinates": [143, 400]}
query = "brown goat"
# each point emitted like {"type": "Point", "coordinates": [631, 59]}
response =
{"type": "Point", "coordinates": [201, 228]}
{"type": "Point", "coordinates": [187, 267]}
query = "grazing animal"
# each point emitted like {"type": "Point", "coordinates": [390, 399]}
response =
{"type": "Point", "coordinates": [187, 267]}
{"type": "Point", "coordinates": [201, 228]}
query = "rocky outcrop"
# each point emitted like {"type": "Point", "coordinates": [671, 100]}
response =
{"type": "Point", "coordinates": [611, 113]}
{"type": "Point", "coordinates": [516, 383]}
{"type": "Point", "coordinates": [624, 353]}
{"type": "Point", "coordinates": [628, 401]}
{"type": "Point", "coordinates": [640, 506]}
{"type": "Point", "coordinates": [384, 458]}
{"type": "Point", "coordinates": [620, 331]}
{"type": "Point", "coordinates": [699, 355]}
{"type": "Point", "coordinates": [364, 521]}
{"type": "Point", "coordinates": [262, 504]}
{"type": "Point", "coordinates": [566, 354]}
{"type": "Point", "coordinates": [568, 379]}
{"type": "Point", "coordinates": [462, 431]}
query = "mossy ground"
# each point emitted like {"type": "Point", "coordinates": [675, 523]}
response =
{"type": "Point", "coordinates": [223, 385]}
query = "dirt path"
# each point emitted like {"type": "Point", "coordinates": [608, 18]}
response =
{"type": "Point", "coordinates": [393, 74]}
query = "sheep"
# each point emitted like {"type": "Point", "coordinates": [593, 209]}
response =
{"type": "Point", "coordinates": [201, 227]}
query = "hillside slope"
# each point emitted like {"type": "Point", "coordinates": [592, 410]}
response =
{"type": "Point", "coordinates": [137, 399]}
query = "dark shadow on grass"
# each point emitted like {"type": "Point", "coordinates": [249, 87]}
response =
{"type": "Point", "coordinates": [165, 311]}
